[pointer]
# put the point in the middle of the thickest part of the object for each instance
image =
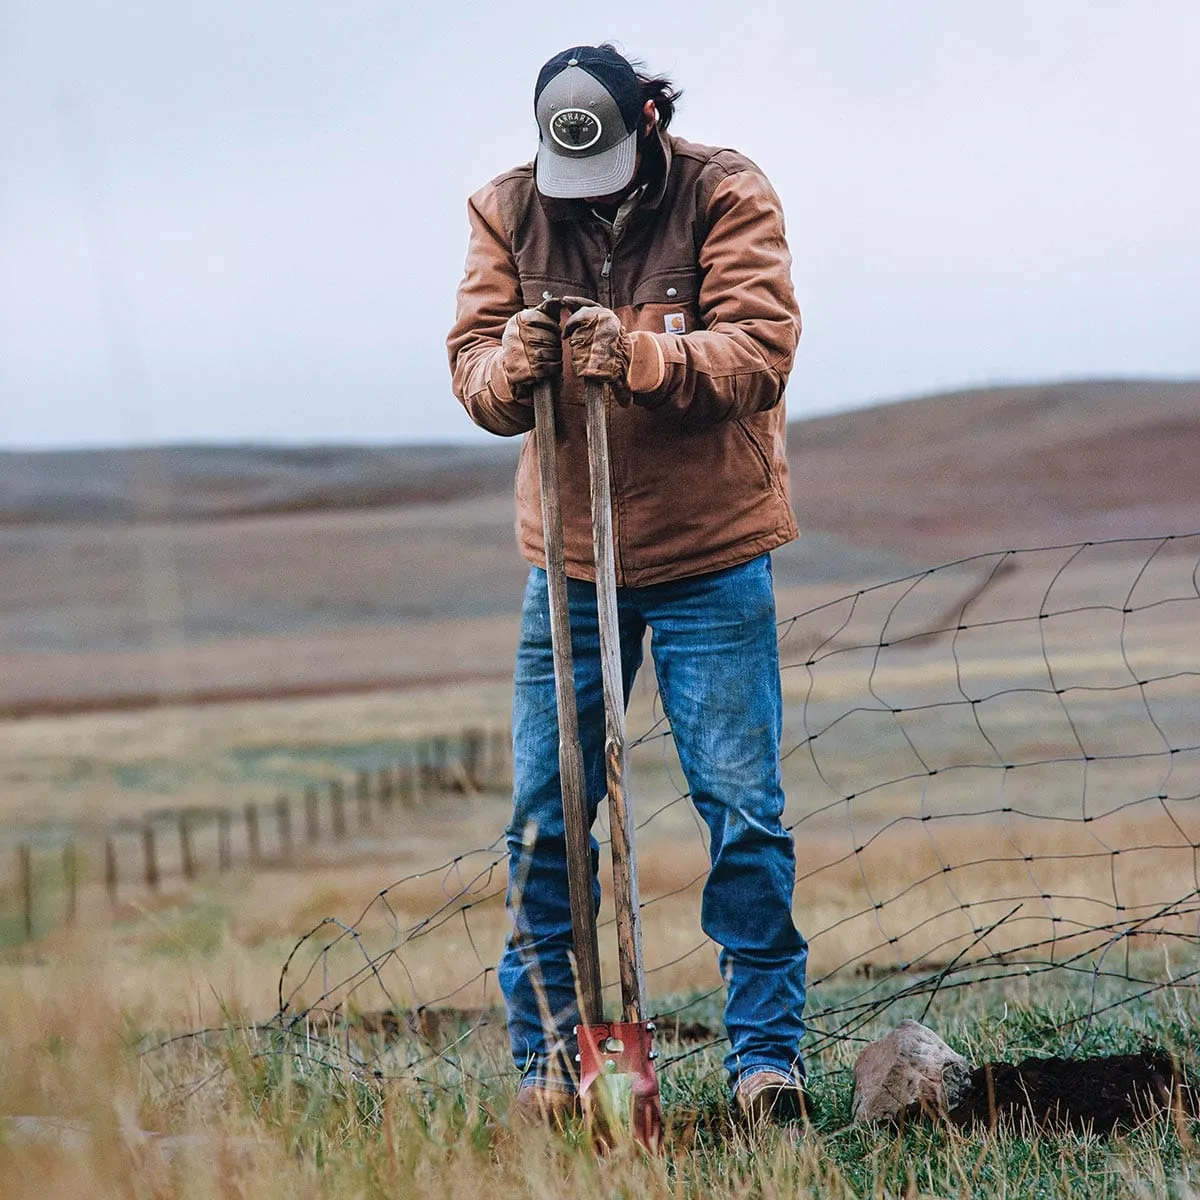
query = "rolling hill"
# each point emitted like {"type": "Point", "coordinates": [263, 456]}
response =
{"type": "Point", "coordinates": [204, 572]}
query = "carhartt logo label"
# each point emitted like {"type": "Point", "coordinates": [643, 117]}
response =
{"type": "Point", "coordinates": [575, 128]}
{"type": "Point", "coordinates": [674, 323]}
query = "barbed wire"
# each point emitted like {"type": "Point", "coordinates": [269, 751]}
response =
{"type": "Point", "coordinates": [993, 772]}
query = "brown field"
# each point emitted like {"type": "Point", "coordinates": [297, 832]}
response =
{"type": "Point", "coordinates": [328, 570]}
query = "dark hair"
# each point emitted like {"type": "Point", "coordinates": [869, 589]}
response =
{"type": "Point", "coordinates": [659, 88]}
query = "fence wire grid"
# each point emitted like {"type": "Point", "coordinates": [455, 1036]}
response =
{"type": "Point", "coordinates": [993, 772]}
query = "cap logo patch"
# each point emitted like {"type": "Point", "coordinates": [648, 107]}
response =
{"type": "Point", "coordinates": [575, 128]}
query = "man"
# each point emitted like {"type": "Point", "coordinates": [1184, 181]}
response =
{"type": "Point", "coordinates": [692, 321]}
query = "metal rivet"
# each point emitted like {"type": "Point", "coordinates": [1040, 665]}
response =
{"type": "Point", "coordinates": [572, 62]}
{"type": "Point", "coordinates": [672, 291]}
{"type": "Point", "coordinates": [547, 295]}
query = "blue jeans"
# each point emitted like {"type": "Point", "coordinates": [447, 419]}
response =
{"type": "Point", "coordinates": [713, 641]}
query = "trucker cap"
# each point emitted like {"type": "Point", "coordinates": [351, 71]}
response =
{"type": "Point", "coordinates": [588, 103]}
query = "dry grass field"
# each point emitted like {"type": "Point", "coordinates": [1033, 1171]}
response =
{"type": "Point", "coordinates": [991, 769]}
{"type": "Point", "coordinates": [111, 1105]}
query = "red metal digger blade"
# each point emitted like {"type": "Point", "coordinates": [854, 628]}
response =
{"type": "Point", "coordinates": [618, 1083]}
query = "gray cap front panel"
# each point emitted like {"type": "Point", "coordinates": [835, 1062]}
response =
{"type": "Point", "coordinates": [573, 87]}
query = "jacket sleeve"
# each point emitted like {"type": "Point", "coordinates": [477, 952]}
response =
{"type": "Point", "coordinates": [487, 296]}
{"type": "Point", "coordinates": [738, 363]}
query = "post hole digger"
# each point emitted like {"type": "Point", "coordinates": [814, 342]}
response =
{"type": "Point", "coordinates": [618, 1084]}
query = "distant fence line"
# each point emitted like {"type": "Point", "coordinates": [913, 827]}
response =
{"type": "Point", "coordinates": [141, 855]}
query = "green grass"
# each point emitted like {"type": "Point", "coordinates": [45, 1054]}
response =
{"type": "Point", "coordinates": [347, 1114]}
{"type": "Point", "coordinates": [356, 1136]}
{"type": "Point", "coordinates": [198, 930]}
{"type": "Point", "coordinates": [12, 922]}
{"type": "Point", "coordinates": [443, 1128]}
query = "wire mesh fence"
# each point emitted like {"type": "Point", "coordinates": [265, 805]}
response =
{"type": "Point", "coordinates": [993, 771]}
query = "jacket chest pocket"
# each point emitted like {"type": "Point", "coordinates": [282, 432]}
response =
{"type": "Point", "coordinates": [668, 301]}
{"type": "Point", "coordinates": [536, 288]}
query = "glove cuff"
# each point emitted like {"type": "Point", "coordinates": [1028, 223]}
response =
{"type": "Point", "coordinates": [498, 380]}
{"type": "Point", "coordinates": [647, 365]}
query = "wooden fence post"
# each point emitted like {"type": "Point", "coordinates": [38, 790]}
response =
{"type": "Point", "coordinates": [25, 867]}
{"type": "Point", "coordinates": [224, 840]}
{"type": "Point", "coordinates": [71, 881]}
{"type": "Point", "coordinates": [186, 858]}
{"type": "Point", "coordinates": [111, 876]}
{"type": "Point", "coordinates": [312, 825]}
{"type": "Point", "coordinates": [283, 822]}
{"type": "Point", "coordinates": [363, 791]}
{"type": "Point", "coordinates": [484, 767]}
{"type": "Point", "coordinates": [337, 809]}
{"type": "Point", "coordinates": [441, 763]}
{"type": "Point", "coordinates": [253, 841]}
{"type": "Point", "coordinates": [472, 743]}
{"type": "Point", "coordinates": [386, 789]}
{"type": "Point", "coordinates": [410, 782]}
{"type": "Point", "coordinates": [501, 754]}
{"type": "Point", "coordinates": [150, 856]}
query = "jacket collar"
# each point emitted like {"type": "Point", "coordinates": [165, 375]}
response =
{"type": "Point", "coordinates": [660, 170]}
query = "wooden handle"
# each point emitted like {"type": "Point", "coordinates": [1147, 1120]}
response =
{"type": "Point", "coordinates": [570, 753]}
{"type": "Point", "coordinates": [620, 807]}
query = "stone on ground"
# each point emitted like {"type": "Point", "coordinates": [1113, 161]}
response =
{"type": "Point", "coordinates": [912, 1065]}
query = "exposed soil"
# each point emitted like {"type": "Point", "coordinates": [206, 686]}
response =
{"type": "Point", "coordinates": [686, 1031]}
{"type": "Point", "coordinates": [1097, 1094]}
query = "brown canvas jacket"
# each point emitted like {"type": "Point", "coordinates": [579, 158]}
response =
{"type": "Point", "coordinates": [700, 276]}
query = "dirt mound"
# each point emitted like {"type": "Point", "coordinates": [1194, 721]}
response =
{"type": "Point", "coordinates": [1100, 1094]}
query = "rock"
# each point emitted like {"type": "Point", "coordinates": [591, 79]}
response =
{"type": "Point", "coordinates": [912, 1065]}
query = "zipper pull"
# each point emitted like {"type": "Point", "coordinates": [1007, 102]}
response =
{"type": "Point", "coordinates": [606, 270]}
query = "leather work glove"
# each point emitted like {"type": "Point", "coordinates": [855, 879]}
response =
{"type": "Point", "coordinates": [600, 347]}
{"type": "Point", "coordinates": [530, 349]}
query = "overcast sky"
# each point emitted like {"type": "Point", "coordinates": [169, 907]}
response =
{"type": "Point", "coordinates": [246, 221]}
